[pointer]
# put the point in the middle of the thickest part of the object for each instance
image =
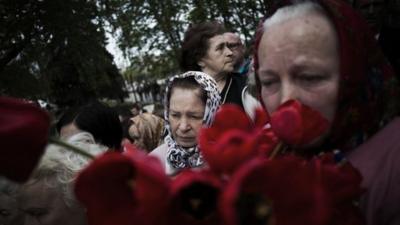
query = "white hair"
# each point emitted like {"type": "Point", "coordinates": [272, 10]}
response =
{"type": "Point", "coordinates": [299, 9]}
{"type": "Point", "coordinates": [59, 166]}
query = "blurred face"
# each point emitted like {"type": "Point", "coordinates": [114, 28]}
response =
{"type": "Point", "coordinates": [136, 137]}
{"type": "Point", "coordinates": [43, 205]}
{"type": "Point", "coordinates": [235, 45]}
{"type": "Point", "coordinates": [186, 111]}
{"type": "Point", "coordinates": [218, 59]}
{"type": "Point", "coordinates": [373, 11]}
{"type": "Point", "coordinates": [298, 59]}
{"type": "Point", "coordinates": [135, 111]}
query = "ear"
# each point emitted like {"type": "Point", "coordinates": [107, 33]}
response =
{"type": "Point", "coordinates": [201, 64]}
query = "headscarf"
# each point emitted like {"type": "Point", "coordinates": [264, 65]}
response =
{"type": "Point", "coordinates": [150, 128]}
{"type": "Point", "coordinates": [177, 156]}
{"type": "Point", "coordinates": [368, 91]}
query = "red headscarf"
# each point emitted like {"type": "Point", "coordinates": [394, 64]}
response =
{"type": "Point", "coordinates": [368, 92]}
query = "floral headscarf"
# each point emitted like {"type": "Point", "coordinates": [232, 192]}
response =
{"type": "Point", "coordinates": [178, 157]}
{"type": "Point", "coordinates": [368, 94]}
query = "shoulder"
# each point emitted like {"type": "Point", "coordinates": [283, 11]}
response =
{"type": "Point", "coordinates": [160, 152]}
{"type": "Point", "coordinates": [377, 160]}
{"type": "Point", "coordinates": [378, 152]}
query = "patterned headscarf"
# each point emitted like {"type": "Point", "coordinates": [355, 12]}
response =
{"type": "Point", "coordinates": [368, 93]}
{"type": "Point", "coordinates": [177, 156]}
{"type": "Point", "coordinates": [150, 128]}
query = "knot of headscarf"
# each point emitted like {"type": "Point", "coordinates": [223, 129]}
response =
{"type": "Point", "coordinates": [178, 157]}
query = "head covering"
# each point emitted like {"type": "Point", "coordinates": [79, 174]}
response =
{"type": "Point", "coordinates": [150, 128]}
{"type": "Point", "coordinates": [177, 156]}
{"type": "Point", "coordinates": [368, 91]}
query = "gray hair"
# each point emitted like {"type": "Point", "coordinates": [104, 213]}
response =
{"type": "Point", "coordinates": [59, 166]}
{"type": "Point", "coordinates": [300, 8]}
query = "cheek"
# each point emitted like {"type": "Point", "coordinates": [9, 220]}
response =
{"type": "Point", "coordinates": [173, 125]}
{"type": "Point", "coordinates": [197, 127]}
{"type": "Point", "coordinates": [271, 102]}
{"type": "Point", "coordinates": [324, 103]}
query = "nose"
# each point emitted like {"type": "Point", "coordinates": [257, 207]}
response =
{"type": "Point", "coordinates": [289, 91]}
{"type": "Point", "coordinates": [184, 125]}
{"type": "Point", "coordinates": [228, 51]}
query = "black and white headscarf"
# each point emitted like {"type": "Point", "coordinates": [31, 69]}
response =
{"type": "Point", "coordinates": [177, 156]}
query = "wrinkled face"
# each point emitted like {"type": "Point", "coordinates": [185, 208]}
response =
{"type": "Point", "coordinates": [235, 45]}
{"type": "Point", "coordinates": [299, 59]}
{"type": "Point", "coordinates": [44, 205]}
{"type": "Point", "coordinates": [186, 110]}
{"type": "Point", "coordinates": [218, 59]}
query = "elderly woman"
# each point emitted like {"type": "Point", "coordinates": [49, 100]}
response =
{"type": "Point", "coordinates": [47, 198]}
{"type": "Point", "coordinates": [325, 56]}
{"type": "Point", "coordinates": [205, 49]}
{"type": "Point", "coordinates": [191, 102]}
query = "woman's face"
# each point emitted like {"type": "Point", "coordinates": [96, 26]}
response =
{"type": "Point", "coordinates": [45, 205]}
{"type": "Point", "coordinates": [186, 111]}
{"type": "Point", "coordinates": [299, 59]}
{"type": "Point", "coordinates": [218, 58]}
{"type": "Point", "coordinates": [135, 135]}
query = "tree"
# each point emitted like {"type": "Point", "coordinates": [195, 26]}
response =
{"type": "Point", "coordinates": [58, 47]}
{"type": "Point", "coordinates": [150, 31]}
{"type": "Point", "coordinates": [55, 49]}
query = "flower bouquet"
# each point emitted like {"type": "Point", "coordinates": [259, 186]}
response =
{"type": "Point", "coordinates": [253, 175]}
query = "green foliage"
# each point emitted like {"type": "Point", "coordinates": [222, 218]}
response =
{"type": "Point", "coordinates": [55, 49]}
{"type": "Point", "coordinates": [155, 28]}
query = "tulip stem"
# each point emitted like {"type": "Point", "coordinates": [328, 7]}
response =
{"type": "Point", "coordinates": [73, 148]}
{"type": "Point", "coordinates": [276, 150]}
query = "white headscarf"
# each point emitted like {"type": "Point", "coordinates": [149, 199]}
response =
{"type": "Point", "coordinates": [177, 156]}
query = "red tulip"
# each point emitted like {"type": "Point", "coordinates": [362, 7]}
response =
{"type": "Point", "coordinates": [289, 190]}
{"type": "Point", "coordinates": [194, 198]}
{"type": "Point", "coordinates": [297, 124]}
{"type": "Point", "coordinates": [234, 138]}
{"type": "Point", "coordinates": [23, 136]}
{"type": "Point", "coordinates": [124, 189]}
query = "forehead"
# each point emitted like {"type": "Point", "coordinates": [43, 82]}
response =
{"type": "Point", "coordinates": [216, 40]}
{"type": "Point", "coordinates": [187, 99]}
{"type": "Point", "coordinates": [308, 32]}
{"type": "Point", "coordinates": [40, 192]}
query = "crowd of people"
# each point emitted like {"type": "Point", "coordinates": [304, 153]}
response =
{"type": "Point", "coordinates": [323, 54]}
